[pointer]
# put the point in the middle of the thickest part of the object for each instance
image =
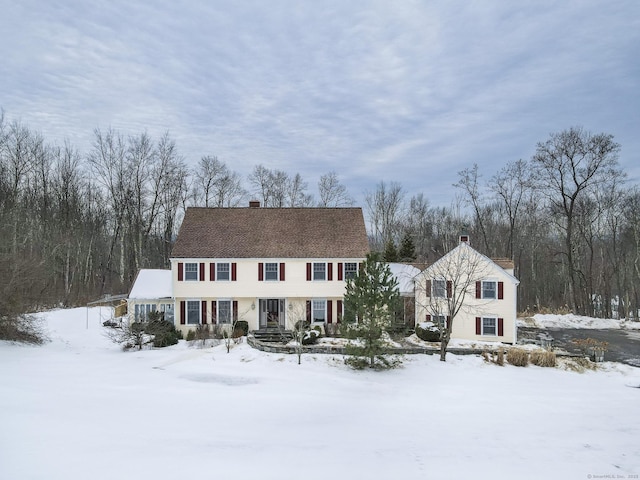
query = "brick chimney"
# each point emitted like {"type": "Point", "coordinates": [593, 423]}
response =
{"type": "Point", "coordinates": [254, 203]}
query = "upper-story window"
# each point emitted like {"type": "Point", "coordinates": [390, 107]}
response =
{"type": "Point", "coordinates": [350, 270]}
{"type": "Point", "coordinates": [271, 271]}
{"type": "Point", "coordinates": [319, 271]}
{"type": "Point", "coordinates": [489, 289]}
{"type": "Point", "coordinates": [223, 271]}
{"type": "Point", "coordinates": [439, 288]}
{"type": "Point", "coordinates": [191, 271]}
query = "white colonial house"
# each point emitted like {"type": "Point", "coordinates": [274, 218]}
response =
{"type": "Point", "coordinates": [479, 293]}
{"type": "Point", "coordinates": [151, 291]}
{"type": "Point", "coordinates": [267, 266]}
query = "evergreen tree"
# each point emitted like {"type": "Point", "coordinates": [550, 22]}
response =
{"type": "Point", "coordinates": [390, 252]}
{"type": "Point", "coordinates": [407, 251]}
{"type": "Point", "coordinates": [370, 300]}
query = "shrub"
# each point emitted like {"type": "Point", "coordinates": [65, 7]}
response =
{"type": "Point", "coordinates": [332, 329]}
{"type": "Point", "coordinates": [311, 336]}
{"type": "Point", "coordinates": [518, 357]}
{"type": "Point", "coordinates": [381, 362]}
{"type": "Point", "coordinates": [191, 335]}
{"type": "Point", "coordinates": [21, 328]}
{"type": "Point", "coordinates": [159, 326]}
{"type": "Point", "coordinates": [164, 333]}
{"type": "Point", "coordinates": [166, 338]}
{"type": "Point", "coordinates": [428, 332]}
{"type": "Point", "coordinates": [397, 329]}
{"type": "Point", "coordinates": [589, 345]}
{"type": "Point", "coordinates": [155, 316]}
{"type": "Point", "coordinates": [242, 326]}
{"type": "Point", "coordinates": [203, 332]}
{"type": "Point", "coordinates": [138, 327]}
{"type": "Point", "coordinates": [217, 331]}
{"type": "Point", "coordinates": [497, 356]}
{"type": "Point", "coordinates": [301, 325]}
{"type": "Point", "coordinates": [543, 358]}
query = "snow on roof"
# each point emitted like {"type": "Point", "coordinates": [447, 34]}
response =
{"type": "Point", "coordinates": [151, 283]}
{"type": "Point", "coordinates": [404, 274]}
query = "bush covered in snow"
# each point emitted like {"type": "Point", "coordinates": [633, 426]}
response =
{"type": "Point", "coordinates": [428, 332]}
{"type": "Point", "coordinates": [311, 335]}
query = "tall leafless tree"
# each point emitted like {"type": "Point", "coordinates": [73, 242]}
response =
{"type": "Point", "coordinates": [332, 192]}
{"type": "Point", "coordinates": [569, 165]}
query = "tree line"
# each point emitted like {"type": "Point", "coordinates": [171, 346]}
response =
{"type": "Point", "coordinates": [568, 219]}
{"type": "Point", "coordinates": [75, 226]}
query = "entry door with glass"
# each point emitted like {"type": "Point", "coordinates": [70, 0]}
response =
{"type": "Point", "coordinates": [271, 312]}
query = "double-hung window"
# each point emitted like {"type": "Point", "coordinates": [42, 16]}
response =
{"type": "Point", "coordinates": [319, 311]}
{"type": "Point", "coordinates": [271, 271]}
{"type": "Point", "coordinates": [489, 289]}
{"type": "Point", "coordinates": [350, 270]}
{"type": "Point", "coordinates": [193, 312]}
{"type": "Point", "coordinates": [191, 271]}
{"type": "Point", "coordinates": [319, 271]}
{"type": "Point", "coordinates": [489, 326]}
{"type": "Point", "coordinates": [439, 288]}
{"type": "Point", "coordinates": [222, 271]}
{"type": "Point", "coordinates": [224, 311]}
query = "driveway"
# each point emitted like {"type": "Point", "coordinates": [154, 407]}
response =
{"type": "Point", "coordinates": [624, 345]}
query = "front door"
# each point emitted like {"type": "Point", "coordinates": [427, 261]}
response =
{"type": "Point", "coordinates": [271, 312]}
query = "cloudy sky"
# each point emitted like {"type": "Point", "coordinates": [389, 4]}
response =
{"type": "Point", "coordinates": [405, 91]}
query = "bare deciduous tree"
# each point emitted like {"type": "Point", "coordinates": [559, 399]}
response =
{"type": "Point", "coordinates": [332, 192]}
{"type": "Point", "coordinates": [384, 207]}
{"type": "Point", "coordinates": [569, 165]}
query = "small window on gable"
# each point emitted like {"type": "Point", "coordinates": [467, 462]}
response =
{"type": "Point", "coordinates": [489, 289]}
{"type": "Point", "coordinates": [350, 270]}
{"type": "Point", "coordinates": [439, 288]}
{"type": "Point", "coordinates": [191, 271]}
{"type": "Point", "coordinates": [222, 271]}
{"type": "Point", "coordinates": [271, 271]}
{"type": "Point", "coordinates": [489, 326]}
{"type": "Point", "coordinates": [319, 271]}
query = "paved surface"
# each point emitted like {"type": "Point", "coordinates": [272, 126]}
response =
{"type": "Point", "coordinates": [624, 345]}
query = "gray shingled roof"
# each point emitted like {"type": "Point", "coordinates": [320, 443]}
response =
{"type": "Point", "coordinates": [272, 233]}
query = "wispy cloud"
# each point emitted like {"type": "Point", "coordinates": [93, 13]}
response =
{"type": "Point", "coordinates": [410, 92]}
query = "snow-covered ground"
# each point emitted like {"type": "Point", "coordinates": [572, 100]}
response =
{"type": "Point", "coordinates": [80, 408]}
{"type": "Point", "coordinates": [575, 321]}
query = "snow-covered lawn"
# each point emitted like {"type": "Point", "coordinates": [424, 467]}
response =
{"type": "Point", "coordinates": [80, 408]}
{"type": "Point", "coordinates": [575, 321]}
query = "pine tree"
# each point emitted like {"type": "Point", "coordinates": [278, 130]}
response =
{"type": "Point", "coordinates": [370, 300]}
{"type": "Point", "coordinates": [390, 252]}
{"type": "Point", "coordinates": [407, 251]}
